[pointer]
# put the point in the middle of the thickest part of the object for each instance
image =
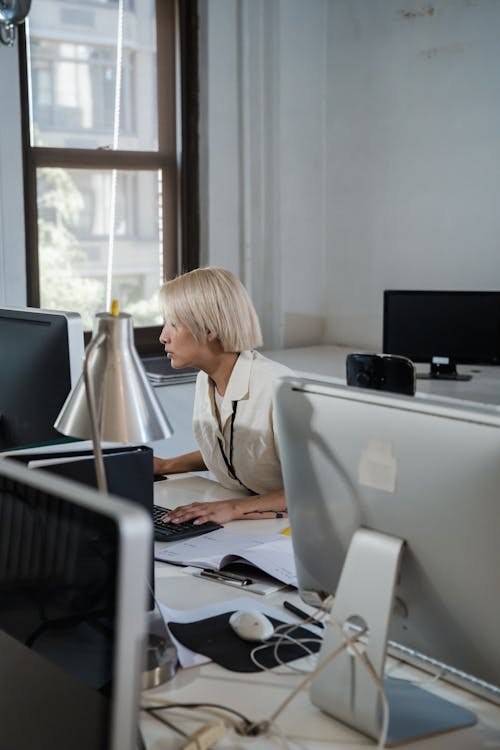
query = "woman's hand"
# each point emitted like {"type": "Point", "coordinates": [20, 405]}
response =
{"type": "Point", "coordinates": [220, 511]}
{"type": "Point", "coordinates": [268, 505]}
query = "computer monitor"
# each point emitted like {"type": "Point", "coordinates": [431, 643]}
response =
{"type": "Point", "coordinates": [41, 355]}
{"type": "Point", "coordinates": [391, 469]}
{"type": "Point", "coordinates": [444, 328]}
{"type": "Point", "coordinates": [72, 607]}
{"type": "Point", "coordinates": [129, 474]}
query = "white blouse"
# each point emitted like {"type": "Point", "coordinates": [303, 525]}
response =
{"type": "Point", "coordinates": [247, 439]}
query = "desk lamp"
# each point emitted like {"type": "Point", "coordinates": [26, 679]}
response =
{"type": "Point", "coordinates": [114, 401]}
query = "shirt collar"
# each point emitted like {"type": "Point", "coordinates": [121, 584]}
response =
{"type": "Point", "coordinates": [237, 387]}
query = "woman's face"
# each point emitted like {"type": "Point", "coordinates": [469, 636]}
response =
{"type": "Point", "coordinates": [181, 347]}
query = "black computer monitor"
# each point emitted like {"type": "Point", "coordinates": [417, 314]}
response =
{"type": "Point", "coordinates": [129, 474]}
{"type": "Point", "coordinates": [41, 355]}
{"type": "Point", "coordinates": [397, 473]}
{"type": "Point", "coordinates": [73, 573]}
{"type": "Point", "coordinates": [444, 328]}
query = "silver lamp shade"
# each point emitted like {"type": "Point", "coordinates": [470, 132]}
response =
{"type": "Point", "coordinates": [126, 407]}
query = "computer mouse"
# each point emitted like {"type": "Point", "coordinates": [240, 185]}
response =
{"type": "Point", "coordinates": [251, 626]}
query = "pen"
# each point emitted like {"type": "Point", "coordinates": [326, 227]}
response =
{"type": "Point", "coordinates": [303, 615]}
{"type": "Point", "coordinates": [225, 577]}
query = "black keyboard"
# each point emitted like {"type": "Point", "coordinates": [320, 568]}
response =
{"type": "Point", "coordinates": [174, 532]}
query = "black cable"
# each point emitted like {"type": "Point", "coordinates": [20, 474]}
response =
{"type": "Point", "coordinates": [168, 723]}
{"type": "Point", "coordinates": [229, 461]}
{"type": "Point", "coordinates": [248, 722]}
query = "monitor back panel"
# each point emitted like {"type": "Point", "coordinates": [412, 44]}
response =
{"type": "Point", "coordinates": [424, 472]}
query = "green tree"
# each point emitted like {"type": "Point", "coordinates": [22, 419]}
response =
{"type": "Point", "coordinates": [61, 285]}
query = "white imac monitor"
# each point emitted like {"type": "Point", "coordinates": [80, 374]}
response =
{"type": "Point", "coordinates": [72, 613]}
{"type": "Point", "coordinates": [41, 357]}
{"type": "Point", "coordinates": [419, 481]}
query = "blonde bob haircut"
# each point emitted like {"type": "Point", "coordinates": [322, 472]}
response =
{"type": "Point", "coordinates": [212, 300]}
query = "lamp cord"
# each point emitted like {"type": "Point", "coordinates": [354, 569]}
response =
{"type": "Point", "coordinates": [100, 471]}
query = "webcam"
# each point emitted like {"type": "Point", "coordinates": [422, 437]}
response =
{"type": "Point", "coordinates": [382, 372]}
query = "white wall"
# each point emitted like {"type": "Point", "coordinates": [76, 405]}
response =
{"type": "Point", "coordinates": [351, 146]}
{"type": "Point", "coordinates": [239, 157]}
{"type": "Point", "coordinates": [12, 246]}
{"type": "Point", "coordinates": [413, 154]}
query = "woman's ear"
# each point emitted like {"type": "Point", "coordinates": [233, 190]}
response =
{"type": "Point", "coordinates": [211, 336]}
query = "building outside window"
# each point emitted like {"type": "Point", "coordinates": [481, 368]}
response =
{"type": "Point", "coordinates": [102, 153]}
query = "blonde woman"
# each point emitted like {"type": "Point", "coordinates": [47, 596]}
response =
{"type": "Point", "coordinates": [211, 324]}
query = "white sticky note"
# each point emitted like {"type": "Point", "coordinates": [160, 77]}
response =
{"type": "Point", "coordinates": [377, 466]}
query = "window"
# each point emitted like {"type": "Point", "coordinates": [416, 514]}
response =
{"type": "Point", "coordinates": [103, 171]}
{"type": "Point", "coordinates": [73, 91]}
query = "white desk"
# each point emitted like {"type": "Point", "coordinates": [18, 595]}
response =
{"type": "Point", "coordinates": [258, 694]}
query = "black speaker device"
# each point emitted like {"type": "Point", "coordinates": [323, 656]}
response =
{"type": "Point", "coordinates": [382, 372]}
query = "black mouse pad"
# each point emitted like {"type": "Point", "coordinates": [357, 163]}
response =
{"type": "Point", "coordinates": [215, 638]}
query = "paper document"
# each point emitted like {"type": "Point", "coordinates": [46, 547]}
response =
{"type": "Point", "coordinates": [217, 550]}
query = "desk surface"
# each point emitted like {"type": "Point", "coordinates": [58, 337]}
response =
{"type": "Point", "coordinates": [329, 361]}
{"type": "Point", "coordinates": [258, 694]}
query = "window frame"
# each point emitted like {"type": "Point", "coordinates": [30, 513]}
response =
{"type": "Point", "coordinates": [177, 154]}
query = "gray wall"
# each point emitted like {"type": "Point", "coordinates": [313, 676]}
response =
{"type": "Point", "coordinates": [347, 146]}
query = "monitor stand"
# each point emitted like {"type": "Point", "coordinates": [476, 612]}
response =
{"type": "Point", "coordinates": [442, 370]}
{"type": "Point", "coordinates": [344, 688]}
